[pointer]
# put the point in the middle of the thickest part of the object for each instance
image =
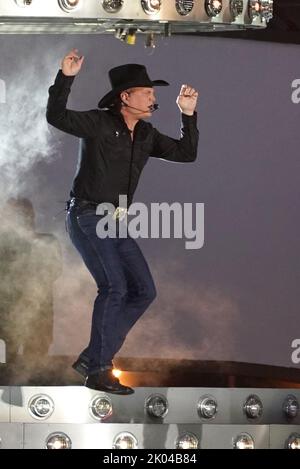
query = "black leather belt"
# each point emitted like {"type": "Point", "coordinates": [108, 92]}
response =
{"type": "Point", "coordinates": [82, 202]}
{"type": "Point", "coordinates": [118, 214]}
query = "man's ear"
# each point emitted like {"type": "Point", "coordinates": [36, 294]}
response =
{"type": "Point", "coordinates": [124, 97]}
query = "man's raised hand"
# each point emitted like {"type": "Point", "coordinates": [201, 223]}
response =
{"type": "Point", "coordinates": [71, 63]}
{"type": "Point", "coordinates": [187, 100]}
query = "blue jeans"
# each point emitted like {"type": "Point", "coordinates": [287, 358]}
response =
{"type": "Point", "coordinates": [124, 282]}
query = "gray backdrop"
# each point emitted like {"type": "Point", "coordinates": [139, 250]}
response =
{"type": "Point", "coordinates": [236, 298]}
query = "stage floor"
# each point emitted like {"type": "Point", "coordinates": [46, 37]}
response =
{"type": "Point", "coordinates": [147, 372]}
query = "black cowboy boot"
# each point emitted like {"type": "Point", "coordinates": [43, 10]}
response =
{"type": "Point", "coordinates": [107, 382]}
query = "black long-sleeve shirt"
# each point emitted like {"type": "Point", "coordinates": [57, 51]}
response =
{"type": "Point", "coordinates": [110, 162]}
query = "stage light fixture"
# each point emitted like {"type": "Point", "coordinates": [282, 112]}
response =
{"type": "Point", "coordinates": [207, 407]}
{"type": "Point", "coordinates": [213, 7]}
{"type": "Point", "coordinates": [253, 407]}
{"type": "Point", "coordinates": [101, 407]}
{"type": "Point", "coordinates": [184, 7]}
{"type": "Point", "coordinates": [112, 6]}
{"type": "Point", "coordinates": [243, 441]}
{"type": "Point", "coordinates": [266, 9]}
{"type": "Point", "coordinates": [293, 441]}
{"type": "Point", "coordinates": [23, 3]}
{"type": "Point", "coordinates": [125, 440]}
{"type": "Point", "coordinates": [291, 406]}
{"type": "Point", "coordinates": [187, 441]}
{"type": "Point", "coordinates": [69, 5]}
{"type": "Point", "coordinates": [58, 440]}
{"type": "Point", "coordinates": [157, 406]}
{"type": "Point", "coordinates": [41, 406]}
{"type": "Point", "coordinates": [253, 9]}
{"type": "Point", "coordinates": [151, 6]}
{"type": "Point", "coordinates": [236, 8]}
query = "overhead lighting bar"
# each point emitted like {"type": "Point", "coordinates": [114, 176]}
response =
{"type": "Point", "coordinates": [143, 16]}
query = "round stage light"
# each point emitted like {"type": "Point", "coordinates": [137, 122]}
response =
{"type": "Point", "coordinates": [101, 407]}
{"type": "Point", "coordinates": [253, 407]}
{"type": "Point", "coordinates": [213, 7]}
{"type": "Point", "coordinates": [23, 3]}
{"type": "Point", "coordinates": [243, 441]}
{"type": "Point", "coordinates": [293, 441]}
{"type": "Point", "coordinates": [151, 6]}
{"type": "Point", "coordinates": [112, 6]}
{"type": "Point", "coordinates": [187, 441]}
{"type": "Point", "coordinates": [291, 406]}
{"type": "Point", "coordinates": [58, 440]}
{"type": "Point", "coordinates": [184, 7]}
{"type": "Point", "coordinates": [207, 407]}
{"type": "Point", "coordinates": [236, 7]}
{"type": "Point", "coordinates": [69, 5]}
{"type": "Point", "coordinates": [125, 440]}
{"type": "Point", "coordinates": [157, 406]}
{"type": "Point", "coordinates": [254, 9]}
{"type": "Point", "coordinates": [266, 9]}
{"type": "Point", "coordinates": [41, 406]}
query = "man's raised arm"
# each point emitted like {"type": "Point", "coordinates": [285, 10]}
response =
{"type": "Point", "coordinates": [185, 149]}
{"type": "Point", "coordinates": [80, 124]}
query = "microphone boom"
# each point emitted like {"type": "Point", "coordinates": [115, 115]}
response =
{"type": "Point", "coordinates": [151, 108]}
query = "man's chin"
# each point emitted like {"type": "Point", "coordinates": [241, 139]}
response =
{"type": "Point", "coordinates": [147, 114]}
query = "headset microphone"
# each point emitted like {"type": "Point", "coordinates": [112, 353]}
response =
{"type": "Point", "coordinates": [151, 108]}
{"type": "Point", "coordinates": [154, 107]}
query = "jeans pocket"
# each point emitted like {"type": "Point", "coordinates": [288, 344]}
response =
{"type": "Point", "coordinates": [85, 217]}
{"type": "Point", "coordinates": [87, 221]}
{"type": "Point", "coordinates": [85, 210]}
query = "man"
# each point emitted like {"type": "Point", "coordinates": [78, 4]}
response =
{"type": "Point", "coordinates": [116, 143]}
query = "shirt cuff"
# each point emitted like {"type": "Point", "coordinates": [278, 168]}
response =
{"type": "Point", "coordinates": [189, 120]}
{"type": "Point", "coordinates": [64, 80]}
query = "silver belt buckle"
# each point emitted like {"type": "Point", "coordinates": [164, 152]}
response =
{"type": "Point", "coordinates": [119, 213]}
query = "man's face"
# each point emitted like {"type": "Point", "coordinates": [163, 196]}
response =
{"type": "Point", "coordinates": [139, 100]}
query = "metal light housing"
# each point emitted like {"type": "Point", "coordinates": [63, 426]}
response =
{"type": "Point", "coordinates": [293, 441]}
{"type": "Point", "coordinates": [23, 3]}
{"type": "Point", "coordinates": [243, 441]}
{"type": "Point", "coordinates": [157, 406]}
{"type": "Point", "coordinates": [112, 6]}
{"type": "Point", "coordinates": [69, 5]}
{"type": "Point", "coordinates": [125, 440]}
{"type": "Point", "coordinates": [213, 7]}
{"type": "Point", "coordinates": [187, 441]}
{"type": "Point", "coordinates": [101, 407]}
{"type": "Point", "coordinates": [290, 407]}
{"type": "Point", "coordinates": [266, 9]}
{"type": "Point", "coordinates": [184, 7]}
{"type": "Point", "coordinates": [151, 7]}
{"type": "Point", "coordinates": [254, 9]}
{"type": "Point", "coordinates": [207, 407]}
{"type": "Point", "coordinates": [253, 407]}
{"type": "Point", "coordinates": [236, 8]}
{"type": "Point", "coordinates": [41, 406]}
{"type": "Point", "coordinates": [58, 440]}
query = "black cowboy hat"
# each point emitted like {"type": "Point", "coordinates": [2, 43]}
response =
{"type": "Point", "coordinates": [125, 77]}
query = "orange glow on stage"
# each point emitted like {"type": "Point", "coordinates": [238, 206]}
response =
{"type": "Point", "coordinates": [117, 373]}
